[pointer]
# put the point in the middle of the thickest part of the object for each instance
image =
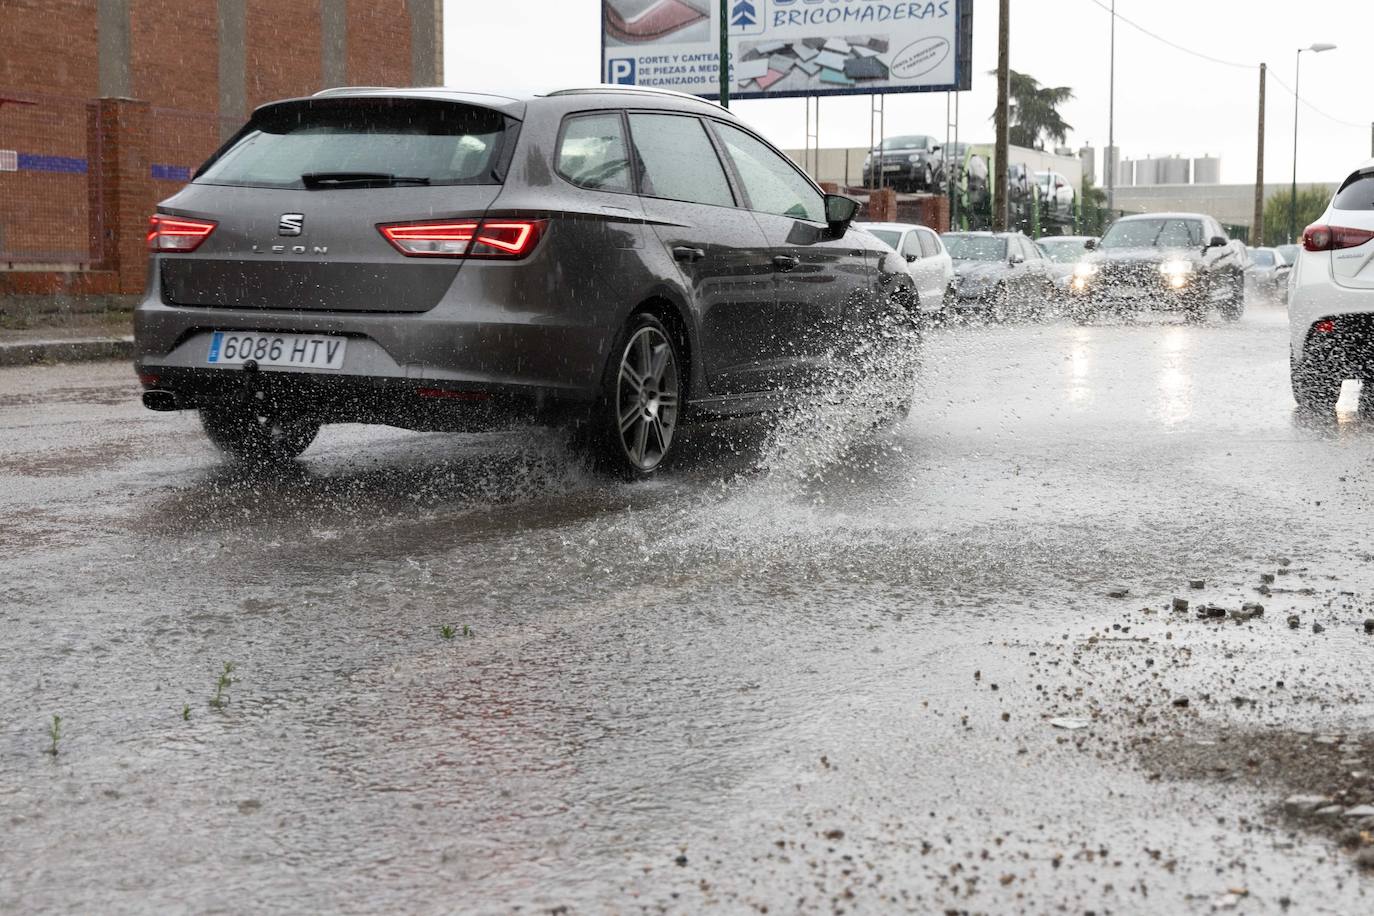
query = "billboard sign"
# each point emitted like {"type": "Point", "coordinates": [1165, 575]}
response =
{"type": "Point", "coordinates": [781, 48]}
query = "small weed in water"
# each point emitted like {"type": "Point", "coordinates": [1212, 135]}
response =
{"type": "Point", "coordinates": [467, 632]}
{"type": "Point", "coordinates": [219, 700]}
{"type": "Point", "coordinates": [54, 734]}
{"type": "Point", "coordinates": [447, 632]}
{"type": "Point", "coordinates": [186, 712]}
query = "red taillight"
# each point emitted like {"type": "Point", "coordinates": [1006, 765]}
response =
{"type": "Point", "coordinates": [1331, 238]}
{"type": "Point", "coordinates": [1325, 326]}
{"type": "Point", "coordinates": [177, 233]}
{"type": "Point", "coordinates": [148, 380]}
{"type": "Point", "coordinates": [506, 238]}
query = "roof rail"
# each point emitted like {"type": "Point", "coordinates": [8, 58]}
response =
{"type": "Point", "coordinates": [646, 90]}
{"type": "Point", "coordinates": [341, 90]}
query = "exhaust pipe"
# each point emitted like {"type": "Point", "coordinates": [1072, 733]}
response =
{"type": "Point", "coordinates": [159, 399]}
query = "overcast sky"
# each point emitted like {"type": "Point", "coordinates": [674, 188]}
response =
{"type": "Point", "coordinates": [1167, 101]}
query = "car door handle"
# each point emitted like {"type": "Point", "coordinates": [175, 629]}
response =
{"type": "Point", "coordinates": [785, 262]}
{"type": "Point", "coordinates": [684, 253]}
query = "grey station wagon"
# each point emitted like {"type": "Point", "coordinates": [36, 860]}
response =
{"type": "Point", "coordinates": [618, 260]}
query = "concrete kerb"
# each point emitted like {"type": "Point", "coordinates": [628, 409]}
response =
{"type": "Point", "coordinates": [81, 349]}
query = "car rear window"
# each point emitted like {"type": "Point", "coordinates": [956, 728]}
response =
{"type": "Point", "coordinates": [1357, 193]}
{"type": "Point", "coordinates": [889, 237]}
{"type": "Point", "coordinates": [930, 246]}
{"type": "Point", "coordinates": [416, 140]}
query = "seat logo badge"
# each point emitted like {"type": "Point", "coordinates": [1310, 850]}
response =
{"type": "Point", "coordinates": [290, 224]}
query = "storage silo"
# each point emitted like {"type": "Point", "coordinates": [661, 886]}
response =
{"type": "Point", "coordinates": [1173, 170]}
{"type": "Point", "coordinates": [1088, 156]}
{"type": "Point", "coordinates": [1207, 170]}
{"type": "Point", "coordinates": [1145, 172]}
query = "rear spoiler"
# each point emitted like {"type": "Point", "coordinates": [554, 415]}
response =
{"type": "Point", "coordinates": [512, 109]}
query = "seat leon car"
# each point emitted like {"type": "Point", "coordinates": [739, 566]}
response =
{"type": "Point", "coordinates": [1331, 297]}
{"type": "Point", "coordinates": [620, 260]}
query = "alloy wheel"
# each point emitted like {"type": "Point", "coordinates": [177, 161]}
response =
{"type": "Point", "coordinates": [647, 398]}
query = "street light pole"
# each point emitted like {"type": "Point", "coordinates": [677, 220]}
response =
{"type": "Point", "coordinates": [1109, 166]}
{"type": "Point", "coordinates": [1293, 199]}
{"type": "Point", "coordinates": [999, 177]}
{"type": "Point", "coordinates": [1257, 228]}
{"type": "Point", "coordinates": [725, 53]}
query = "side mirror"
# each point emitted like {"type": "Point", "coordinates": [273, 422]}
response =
{"type": "Point", "coordinates": [1217, 241]}
{"type": "Point", "coordinates": [840, 212]}
{"type": "Point", "coordinates": [1016, 259]}
{"type": "Point", "coordinates": [910, 258]}
{"type": "Point", "coordinates": [1090, 244]}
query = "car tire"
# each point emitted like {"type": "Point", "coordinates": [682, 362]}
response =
{"type": "Point", "coordinates": [1316, 387]}
{"type": "Point", "coordinates": [999, 304]}
{"type": "Point", "coordinates": [1234, 307]}
{"type": "Point", "coordinates": [249, 436]}
{"type": "Point", "coordinates": [634, 424]}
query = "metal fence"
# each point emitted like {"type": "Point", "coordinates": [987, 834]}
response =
{"type": "Point", "coordinates": [48, 163]}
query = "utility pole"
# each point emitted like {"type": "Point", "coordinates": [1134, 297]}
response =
{"type": "Point", "coordinates": [725, 53]}
{"type": "Point", "coordinates": [1110, 165]}
{"type": "Point", "coordinates": [999, 178]}
{"type": "Point", "coordinates": [1257, 228]}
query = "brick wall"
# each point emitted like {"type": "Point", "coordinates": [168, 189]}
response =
{"type": "Point", "coordinates": [48, 47]}
{"type": "Point", "coordinates": [91, 171]}
{"type": "Point", "coordinates": [270, 73]}
{"type": "Point", "coordinates": [378, 42]}
{"type": "Point", "coordinates": [174, 48]}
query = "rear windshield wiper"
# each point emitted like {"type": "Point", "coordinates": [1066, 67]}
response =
{"type": "Point", "coordinates": [334, 179]}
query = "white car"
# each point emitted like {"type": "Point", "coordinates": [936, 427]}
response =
{"type": "Point", "coordinates": [926, 259]}
{"type": "Point", "coordinates": [1331, 297]}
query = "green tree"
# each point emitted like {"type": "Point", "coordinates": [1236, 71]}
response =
{"type": "Point", "coordinates": [1094, 209]}
{"type": "Point", "coordinates": [1034, 116]}
{"type": "Point", "coordinates": [1311, 204]}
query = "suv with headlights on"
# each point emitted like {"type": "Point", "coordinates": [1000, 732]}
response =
{"type": "Point", "coordinates": [622, 260]}
{"type": "Point", "coordinates": [908, 163]}
{"type": "Point", "coordinates": [1180, 262]}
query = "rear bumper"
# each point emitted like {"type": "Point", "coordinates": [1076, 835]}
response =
{"type": "Point", "coordinates": [451, 368]}
{"type": "Point", "coordinates": [463, 364]}
{"type": "Point", "coordinates": [1347, 349]}
{"type": "Point", "coordinates": [421, 404]}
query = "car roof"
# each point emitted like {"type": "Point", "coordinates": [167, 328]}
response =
{"type": "Point", "coordinates": [983, 233]}
{"type": "Point", "coordinates": [900, 227]}
{"type": "Point", "coordinates": [1065, 238]}
{"type": "Point", "coordinates": [513, 101]}
{"type": "Point", "coordinates": [1135, 217]}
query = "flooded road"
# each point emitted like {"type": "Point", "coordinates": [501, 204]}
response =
{"type": "Point", "coordinates": [932, 668]}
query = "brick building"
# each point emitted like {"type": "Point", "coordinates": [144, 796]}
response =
{"type": "Point", "coordinates": [107, 106]}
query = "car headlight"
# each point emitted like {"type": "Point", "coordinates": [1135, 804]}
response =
{"type": "Point", "coordinates": [914, 158]}
{"type": "Point", "coordinates": [1084, 270]}
{"type": "Point", "coordinates": [1176, 268]}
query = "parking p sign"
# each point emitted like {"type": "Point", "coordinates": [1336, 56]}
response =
{"type": "Point", "coordinates": [621, 70]}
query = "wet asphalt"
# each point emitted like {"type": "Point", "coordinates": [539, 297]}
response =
{"type": "Point", "coordinates": [820, 669]}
